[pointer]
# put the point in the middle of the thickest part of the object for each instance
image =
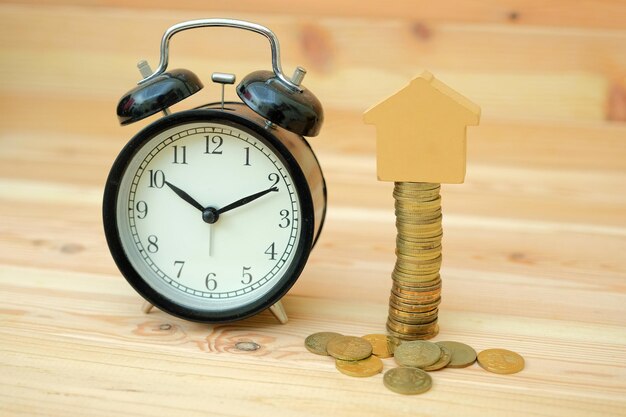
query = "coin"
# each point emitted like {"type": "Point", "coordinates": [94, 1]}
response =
{"type": "Point", "coordinates": [400, 326]}
{"type": "Point", "coordinates": [316, 343]}
{"type": "Point", "coordinates": [412, 318]}
{"type": "Point", "coordinates": [462, 354]}
{"type": "Point", "coordinates": [415, 336]}
{"type": "Point", "coordinates": [382, 344]}
{"type": "Point", "coordinates": [416, 288]}
{"type": "Point", "coordinates": [407, 381]}
{"type": "Point", "coordinates": [443, 361]}
{"type": "Point", "coordinates": [417, 353]}
{"type": "Point", "coordinates": [500, 361]}
{"type": "Point", "coordinates": [349, 348]}
{"type": "Point", "coordinates": [365, 367]}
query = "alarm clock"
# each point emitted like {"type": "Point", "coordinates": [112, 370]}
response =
{"type": "Point", "coordinates": [211, 213]}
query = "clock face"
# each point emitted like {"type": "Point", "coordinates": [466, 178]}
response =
{"type": "Point", "coordinates": [209, 219]}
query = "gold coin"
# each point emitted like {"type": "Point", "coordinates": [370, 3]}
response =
{"type": "Point", "coordinates": [500, 361]}
{"type": "Point", "coordinates": [417, 354]}
{"type": "Point", "coordinates": [407, 381]}
{"type": "Point", "coordinates": [410, 328]}
{"type": "Point", "coordinates": [417, 252]}
{"type": "Point", "coordinates": [404, 336]}
{"type": "Point", "coordinates": [443, 361]}
{"type": "Point", "coordinates": [413, 308]}
{"type": "Point", "coordinates": [413, 318]}
{"type": "Point", "coordinates": [412, 268]}
{"type": "Point", "coordinates": [407, 281]}
{"type": "Point", "coordinates": [365, 367]}
{"type": "Point", "coordinates": [417, 194]}
{"type": "Point", "coordinates": [382, 344]}
{"type": "Point", "coordinates": [405, 185]}
{"type": "Point", "coordinates": [423, 196]}
{"type": "Point", "coordinates": [415, 297]}
{"type": "Point", "coordinates": [316, 343]}
{"type": "Point", "coordinates": [419, 290]}
{"type": "Point", "coordinates": [462, 354]}
{"type": "Point", "coordinates": [414, 278]}
{"type": "Point", "coordinates": [418, 221]}
{"type": "Point", "coordinates": [349, 348]}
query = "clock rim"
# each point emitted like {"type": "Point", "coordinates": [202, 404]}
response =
{"type": "Point", "coordinates": [134, 278]}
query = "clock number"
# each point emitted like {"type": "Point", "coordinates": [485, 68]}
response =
{"type": "Point", "coordinates": [182, 157]}
{"type": "Point", "coordinates": [247, 277]}
{"type": "Point", "coordinates": [274, 177]}
{"type": "Point", "coordinates": [271, 252]}
{"type": "Point", "coordinates": [142, 209]}
{"type": "Point", "coordinates": [157, 178]}
{"type": "Point", "coordinates": [214, 142]}
{"type": "Point", "coordinates": [247, 163]}
{"type": "Point", "coordinates": [210, 282]}
{"type": "Point", "coordinates": [284, 217]}
{"type": "Point", "coordinates": [152, 244]}
{"type": "Point", "coordinates": [180, 264]}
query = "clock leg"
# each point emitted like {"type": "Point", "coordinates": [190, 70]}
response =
{"type": "Point", "coordinates": [279, 312]}
{"type": "Point", "coordinates": [146, 307]}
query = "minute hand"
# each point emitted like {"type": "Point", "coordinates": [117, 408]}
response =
{"type": "Point", "coordinates": [246, 200]}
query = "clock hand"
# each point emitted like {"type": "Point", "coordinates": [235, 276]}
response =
{"type": "Point", "coordinates": [246, 200]}
{"type": "Point", "coordinates": [185, 196]}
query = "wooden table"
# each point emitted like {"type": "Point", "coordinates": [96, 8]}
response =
{"type": "Point", "coordinates": [534, 246]}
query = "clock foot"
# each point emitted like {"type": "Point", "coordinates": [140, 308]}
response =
{"type": "Point", "coordinates": [279, 312]}
{"type": "Point", "coordinates": [146, 307]}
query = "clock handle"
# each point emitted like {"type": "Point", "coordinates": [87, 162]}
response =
{"type": "Point", "coordinates": [293, 83]}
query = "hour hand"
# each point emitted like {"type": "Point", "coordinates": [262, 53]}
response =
{"type": "Point", "coordinates": [246, 200]}
{"type": "Point", "coordinates": [185, 196]}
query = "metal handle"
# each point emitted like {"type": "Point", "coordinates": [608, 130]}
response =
{"type": "Point", "coordinates": [239, 24]}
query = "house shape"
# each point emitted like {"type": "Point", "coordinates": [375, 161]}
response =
{"type": "Point", "coordinates": [421, 132]}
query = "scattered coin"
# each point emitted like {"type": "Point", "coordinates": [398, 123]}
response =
{"type": "Point", "coordinates": [349, 348]}
{"type": "Point", "coordinates": [462, 354]}
{"type": "Point", "coordinates": [443, 361]}
{"type": "Point", "coordinates": [407, 381]}
{"type": "Point", "coordinates": [353, 357]}
{"type": "Point", "coordinates": [382, 344]}
{"type": "Point", "coordinates": [500, 361]}
{"type": "Point", "coordinates": [417, 353]}
{"type": "Point", "coordinates": [316, 343]}
{"type": "Point", "coordinates": [363, 368]}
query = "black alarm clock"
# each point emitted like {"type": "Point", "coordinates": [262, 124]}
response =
{"type": "Point", "coordinates": [210, 213]}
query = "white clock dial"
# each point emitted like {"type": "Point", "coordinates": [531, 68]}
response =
{"type": "Point", "coordinates": [175, 186]}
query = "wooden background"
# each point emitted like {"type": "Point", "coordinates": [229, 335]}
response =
{"type": "Point", "coordinates": [535, 240]}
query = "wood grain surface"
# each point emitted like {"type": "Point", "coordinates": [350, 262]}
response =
{"type": "Point", "coordinates": [534, 241]}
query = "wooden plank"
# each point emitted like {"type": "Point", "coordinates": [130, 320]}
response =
{"type": "Point", "coordinates": [72, 240]}
{"type": "Point", "coordinates": [46, 340]}
{"type": "Point", "coordinates": [324, 44]}
{"type": "Point", "coordinates": [522, 73]}
{"type": "Point", "coordinates": [560, 13]}
{"type": "Point", "coordinates": [595, 145]}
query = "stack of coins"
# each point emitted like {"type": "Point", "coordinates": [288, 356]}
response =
{"type": "Point", "coordinates": [416, 290]}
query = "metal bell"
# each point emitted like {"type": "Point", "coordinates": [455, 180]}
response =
{"type": "Point", "coordinates": [157, 94]}
{"type": "Point", "coordinates": [299, 112]}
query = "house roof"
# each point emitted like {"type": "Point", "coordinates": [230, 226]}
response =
{"type": "Point", "coordinates": [471, 108]}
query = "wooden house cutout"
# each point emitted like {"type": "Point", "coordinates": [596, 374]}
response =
{"type": "Point", "coordinates": [421, 132]}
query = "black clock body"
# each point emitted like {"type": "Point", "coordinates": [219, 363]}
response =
{"type": "Point", "coordinates": [297, 157]}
